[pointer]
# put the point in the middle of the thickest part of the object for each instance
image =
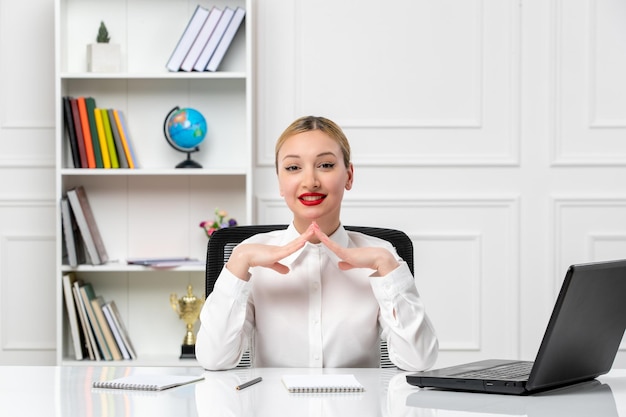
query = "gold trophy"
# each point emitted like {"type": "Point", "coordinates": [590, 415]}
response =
{"type": "Point", "coordinates": [188, 308]}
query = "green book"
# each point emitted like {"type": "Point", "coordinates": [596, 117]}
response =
{"type": "Point", "coordinates": [90, 102]}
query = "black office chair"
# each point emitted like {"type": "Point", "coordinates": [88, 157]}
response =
{"type": "Point", "coordinates": [223, 241]}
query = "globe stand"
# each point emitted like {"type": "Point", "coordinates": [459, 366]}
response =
{"type": "Point", "coordinates": [189, 163]}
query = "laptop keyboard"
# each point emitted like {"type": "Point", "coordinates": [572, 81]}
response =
{"type": "Point", "coordinates": [511, 371]}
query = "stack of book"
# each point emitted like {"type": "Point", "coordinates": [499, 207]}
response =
{"type": "Point", "coordinates": [81, 236]}
{"type": "Point", "coordinates": [206, 39]}
{"type": "Point", "coordinates": [98, 332]}
{"type": "Point", "coordinates": [98, 137]}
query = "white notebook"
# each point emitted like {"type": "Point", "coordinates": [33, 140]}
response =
{"type": "Point", "coordinates": [147, 382]}
{"type": "Point", "coordinates": [322, 383]}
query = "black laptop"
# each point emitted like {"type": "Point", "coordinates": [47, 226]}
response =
{"type": "Point", "coordinates": [581, 341]}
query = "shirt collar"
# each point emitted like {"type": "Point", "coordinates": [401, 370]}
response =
{"type": "Point", "coordinates": [340, 237]}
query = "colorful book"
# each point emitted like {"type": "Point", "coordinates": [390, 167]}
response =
{"type": "Point", "coordinates": [119, 147]}
{"type": "Point", "coordinates": [202, 39]}
{"type": "Point", "coordinates": [126, 133]}
{"type": "Point", "coordinates": [69, 128]}
{"type": "Point", "coordinates": [189, 36]}
{"type": "Point", "coordinates": [84, 122]}
{"type": "Point", "coordinates": [123, 138]}
{"type": "Point", "coordinates": [90, 103]}
{"type": "Point", "coordinates": [78, 130]}
{"type": "Point", "coordinates": [106, 160]}
{"type": "Point", "coordinates": [227, 39]}
{"type": "Point", "coordinates": [214, 40]}
{"type": "Point", "coordinates": [109, 135]}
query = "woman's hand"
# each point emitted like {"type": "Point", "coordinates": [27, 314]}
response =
{"type": "Point", "coordinates": [247, 255]}
{"type": "Point", "coordinates": [379, 259]}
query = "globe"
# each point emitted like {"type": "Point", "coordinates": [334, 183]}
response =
{"type": "Point", "coordinates": [184, 130]}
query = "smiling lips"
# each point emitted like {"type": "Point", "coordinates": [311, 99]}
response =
{"type": "Point", "coordinates": [311, 199]}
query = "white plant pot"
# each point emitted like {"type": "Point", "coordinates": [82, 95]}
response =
{"type": "Point", "coordinates": [103, 57]}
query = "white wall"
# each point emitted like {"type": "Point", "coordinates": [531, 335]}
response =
{"type": "Point", "coordinates": [489, 130]}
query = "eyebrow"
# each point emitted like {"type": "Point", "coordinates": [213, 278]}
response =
{"type": "Point", "coordinates": [317, 156]}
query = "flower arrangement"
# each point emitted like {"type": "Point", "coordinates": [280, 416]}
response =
{"type": "Point", "coordinates": [219, 222]}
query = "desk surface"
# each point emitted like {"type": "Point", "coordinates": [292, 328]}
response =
{"type": "Point", "coordinates": [66, 391]}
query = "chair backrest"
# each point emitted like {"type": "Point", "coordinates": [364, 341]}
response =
{"type": "Point", "coordinates": [223, 241]}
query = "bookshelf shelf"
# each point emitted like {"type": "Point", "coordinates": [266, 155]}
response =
{"type": "Point", "coordinates": [155, 209]}
{"type": "Point", "coordinates": [155, 172]}
{"type": "Point", "coordinates": [162, 75]}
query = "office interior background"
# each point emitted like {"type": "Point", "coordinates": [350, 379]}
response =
{"type": "Point", "coordinates": [493, 132]}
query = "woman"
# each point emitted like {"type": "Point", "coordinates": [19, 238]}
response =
{"type": "Point", "coordinates": [315, 295]}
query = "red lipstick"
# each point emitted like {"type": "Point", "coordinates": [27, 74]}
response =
{"type": "Point", "coordinates": [311, 199]}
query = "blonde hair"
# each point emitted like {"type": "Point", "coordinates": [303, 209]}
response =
{"type": "Point", "coordinates": [310, 123]}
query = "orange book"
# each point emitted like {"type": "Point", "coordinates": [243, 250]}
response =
{"type": "Point", "coordinates": [125, 145]}
{"type": "Point", "coordinates": [84, 121]}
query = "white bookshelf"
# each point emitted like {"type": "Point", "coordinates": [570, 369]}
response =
{"type": "Point", "coordinates": [154, 210]}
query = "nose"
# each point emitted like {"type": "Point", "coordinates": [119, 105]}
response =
{"type": "Point", "coordinates": [310, 180]}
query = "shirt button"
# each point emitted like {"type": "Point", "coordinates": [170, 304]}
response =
{"type": "Point", "coordinates": [315, 286]}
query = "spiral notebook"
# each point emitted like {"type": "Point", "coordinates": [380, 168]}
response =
{"type": "Point", "coordinates": [322, 383]}
{"type": "Point", "coordinates": [147, 382]}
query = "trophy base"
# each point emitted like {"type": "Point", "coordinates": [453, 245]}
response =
{"type": "Point", "coordinates": [188, 352]}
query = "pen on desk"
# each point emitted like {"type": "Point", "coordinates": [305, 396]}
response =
{"type": "Point", "coordinates": [247, 384]}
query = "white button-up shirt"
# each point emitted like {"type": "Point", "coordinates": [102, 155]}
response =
{"type": "Point", "coordinates": [316, 315]}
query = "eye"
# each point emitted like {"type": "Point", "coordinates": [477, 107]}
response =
{"type": "Point", "coordinates": [327, 165]}
{"type": "Point", "coordinates": [291, 168]}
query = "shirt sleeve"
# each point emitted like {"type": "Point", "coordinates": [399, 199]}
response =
{"type": "Point", "coordinates": [410, 336]}
{"type": "Point", "coordinates": [224, 324]}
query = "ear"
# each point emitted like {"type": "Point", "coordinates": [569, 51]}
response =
{"type": "Point", "coordinates": [350, 177]}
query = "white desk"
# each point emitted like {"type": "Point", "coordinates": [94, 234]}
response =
{"type": "Point", "coordinates": [67, 392]}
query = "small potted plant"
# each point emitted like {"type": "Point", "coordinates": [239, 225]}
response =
{"type": "Point", "coordinates": [103, 56]}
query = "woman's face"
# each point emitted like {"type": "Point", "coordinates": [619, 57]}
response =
{"type": "Point", "coordinates": [312, 178]}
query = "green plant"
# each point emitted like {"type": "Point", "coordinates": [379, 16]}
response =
{"type": "Point", "coordinates": [103, 34]}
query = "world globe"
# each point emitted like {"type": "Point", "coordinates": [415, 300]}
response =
{"type": "Point", "coordinates": [184, 130]}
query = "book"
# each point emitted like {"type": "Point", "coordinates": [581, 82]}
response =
{"type": "Point", "coordinates": [188, 37]}
{"type": "Point", "coordinates": [87, 294]}
{"type": "Point", "coordinates": [89, 338]}
{"type": "Point", "coordinates": [119, 147]}
{"type": "Point", "coordinates": [78, 131]}
{"type": "Point", "coordinates": [96, 303]}
{"type": "Point", "coordinates": [87, 225]}
{"type": "Point", "coordinates": [214, 40]}
{"type": "Point", "coordinates": [202, 39]}
{"type": "Point", "coordinates": [147, 382]}
{"type": "Point", "coordinates": [227, 38]}
{"type": "Point", "coordinates": [119, 331]}
{"type": "Point", "coordinates": [123, 139]}
{"type": "Point", "coordinates": [106, 124]}
{"type": "Point", "coordinates": [322, 383]}
{"type": "Point", "coordinates": [84, 123]}
{"type": "Point", "coordinates": [90, 103]}
{"type": "Point", "coordinates": [70, 234]}
{"type": "Point", "coordinates": [126, 134]}
{"type": "Point", "coordinates": [106, 161]}
{"type": "Point", "coordinates": [69, 129]}
{"type": "Point", "coordinates": [72, 315]}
